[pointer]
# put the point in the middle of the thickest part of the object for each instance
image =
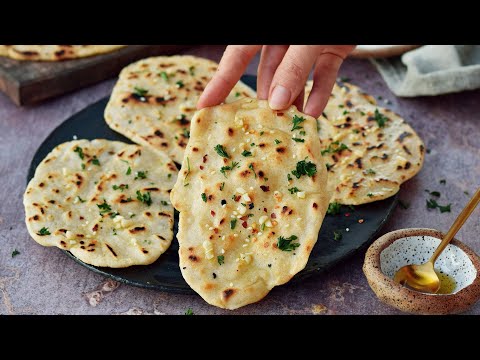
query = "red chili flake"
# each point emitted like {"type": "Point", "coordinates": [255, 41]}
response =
{"type": "Point", "coordinates": [201, 167]}
{"type": "Point", "coordinates": [265, 188]}
{"type": "Point", "coordinates": [265, 209]}
{"type": "Point", "coordinates": [360, 221]}
{"type": "Point", "coordinates": [244, 218]}
{"type": "Point", "coordinates": [212, 213]}
{"type": "Point", "coordinates": [347, 214]}
{"type": "Point", "coordinates": [95, 228]}
{"type": "Point", "coordinates": [237, 198]}
{"type": "Point", "coordinates": [273, 216]}
{"type": "Point", "coordinates": [244, 224]}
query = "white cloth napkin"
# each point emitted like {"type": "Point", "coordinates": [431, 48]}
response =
{"type": "Point", "coordinates": [432, 70]}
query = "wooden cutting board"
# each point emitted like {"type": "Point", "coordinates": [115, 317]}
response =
{"type": "Point", "coordinates": [28, 82]}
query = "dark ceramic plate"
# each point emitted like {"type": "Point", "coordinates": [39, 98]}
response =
{"type": "Point", "coordinates": [165, 274]}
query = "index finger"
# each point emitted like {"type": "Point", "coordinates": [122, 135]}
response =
{"type": "Point", "coordinates": [234, 61]}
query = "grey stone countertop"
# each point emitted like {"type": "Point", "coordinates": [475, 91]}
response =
{"type": "Point", "coordinates": [43, 280]}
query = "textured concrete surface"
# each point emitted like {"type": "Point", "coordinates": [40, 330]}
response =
{"type": "Point", "coordinates": [44, 281]}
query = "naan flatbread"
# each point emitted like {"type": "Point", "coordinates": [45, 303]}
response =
{"type": "Point", "coordinates": [54, 52]}
{"type": "Point", "coordinates": [251, 200]}
{"type": "Point", "coordinates": [154, 100]}
{"type": "Point", "coordinates": [106, 202]}
{"type": "Point", "coordinates": [369, 151]}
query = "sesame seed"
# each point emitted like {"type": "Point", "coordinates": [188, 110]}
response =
{"type": "Point", "coordinates": [249, 228]}
{"type": "Point", "coordinates": [244, 245]}
{"type": "Point", "coordinates": [287, 225]}
{"type": "Point", "coordinates": [294, 156]}
{"type": "Point", "coordinates": [223, 237]}
{"type": "Point", "coordinates": [235, 235]}
{"type": "Point", "coordinates": [75, 137]}
{"type": "Point", "coordinates": [231, 284]}
{"type": "Point", "coordinates": [210, 228]}
{"type": "Point", "coordinates": [260, 234]}
{"type": "Point", "coordinates": [271, 131]}
{"type": "Point", "coordinates": [347, 229]}
{"type": "Point", "coordinates": [212, 172]}
{"type": "Point", "coordinates": [251, 187]}
{"type": "Point", "coordinates": [223, 251]}
{"type": "Point", "coordinates": [299, 219]}
{"type": "Point", "coordinates": [264, 158]}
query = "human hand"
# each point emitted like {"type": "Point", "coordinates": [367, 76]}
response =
{"type": "Point", "coordinates": [282, 73]}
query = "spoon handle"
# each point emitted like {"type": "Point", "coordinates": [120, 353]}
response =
{"type": "Point", "coordinates": [459, 221]}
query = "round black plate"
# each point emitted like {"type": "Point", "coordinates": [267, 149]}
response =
{"type": "Point", "coordinates": [165, 274]}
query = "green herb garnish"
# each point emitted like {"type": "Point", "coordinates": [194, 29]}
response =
{"type": "Point", "coordinates": [43, 231]}
{"type": "Point", "coordinates": [189, 312]}
{"type": "Point", "coordinates": [369, 172]}
{"type": "Point", "coordinates": [139, 92]}
{"type": "Point", "coordinates": [141, 175]}
{"type": "Point", "coordinates": [80, 199]}
{"type": "Point", "coordinates": [334, 208]}
{"type": "Point", "coordinates": [221, 259]}
{"type": "Point", "coordinates": [305, 168]}
{"type": "Point", "coordinates": [432, 204]}
{"type": "Point", "coordinates": [380, 119]}
{"type": "Point", "coordinates": [296, 122]}
{"type": "Point", "coordinates": [180, 84]}
{"type": "Point", "coordinates": [113, 214]}
{"type": "Point", "coordinates": [186, 133]}
{"type": "Point", "coordinates": [191, 70]}
{"type": "Point", "coordinates": [163, 202]}
{"type": "Point", "coordinates": [224, 169]}
{"type": "Point", "coordinates": [334, 149]}
{"type": "Point", "coordinates": [15, 253]}
{"type": "Point", "coordinates": [221, 151]}
{"type": "Point", "coordinates": [95, 161]}
{"type": "Point", "coordinates": [328, 166]}
{"type": "Point", "coordinates": [285, 244]}
{"type": "Point", "coordinates": [443, 181]}
{"type": "Point", "coordinates": [79, 150]}
{"type": "Point", "coordinates": [187, 173]}
{"type": "Point", "coordinates": [121, 187]}
{"type": "Point", "coordinates": [246, 153]}
{"type": "Point", "coordinates": [145, 198]}
{"type": "Point", "coordinates": [222, 186]}
{"type": "Point", "coordinates": [294, 190]}
{"type": "Point", "coordinates": [251, 168]}
{"type": "Point", "coordinates": [164, 75]}
{"type": "Point", "coordinates": [277, 141]}
{"type": "Point", "coordinates": [298, 140]}
{"type": "Point", "coordinates": [237, 94]}
{"type": "Point", "coordinates": [233, 223]}
{"type": "Point", "coordinates": [204, 197]}
{"type": "Point", "coordinates": [104, 208]}
{"type": "Point", "coordinates": [337, 235]}
{"type": "Point", "coordinates": [369, 194]}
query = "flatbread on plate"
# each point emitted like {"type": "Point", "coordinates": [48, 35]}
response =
{"type": "Point", "coordinates": [54, 52]}
{"type": "Point", "coordinates": [106, 202]}
{"type": "Point", "coordinates": [251, 200]}
{"type": "Point", "coordinates": [154, 100]}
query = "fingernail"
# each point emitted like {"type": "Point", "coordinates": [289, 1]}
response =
{"type": "Point", "coordinates": [279, 98]}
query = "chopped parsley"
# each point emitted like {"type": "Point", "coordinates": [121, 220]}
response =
{"type": "Point", "coordinates": [224, 169]}
{"type": "Point", "coordinates": [296, 122]}
{"type": "Point", "coordinates": [95, 161]}
{"type": "Point", "coordinates": [262, 132]}
{"type": "Point", "coordinates": [15, 253]}
{"type": "Point", "coordinates": [404, 205]}
{"type": "Point", "coordinates": [345, 112]}
{"type": "Point", "coordinates": [222, 186]}
{"type": "Point", "coordinates": [43, 231]}
{"type": "Point", "coordinates": [246, 153]}
{"type": "Point", "coordinates": [298, 140]}
{"type": "Point", "coordinates": [80, 199]}
{"type": "Point", "coordinates": [187, 173]}
{"type": "Point", "coordinates": [335, 147]}
{"type": "Point", "coordinates": [145, 198]}
{"type": "Point", "coordinates": [344, 79]}
{"type": "Point", "coordinates": [380, 119]}
{"type": "Point", "coordinates": [466, 193]}
{"type": "Point", "coordinates": [113, 214]}
{"type": "Point", "coordinates": [129, 171]}
{"type": "Point", "coordinates": [294, 190]}
{"type": "Point", "coordinates": [221, 151]}
{"type": "Point", "coordinates": [277, 141]}
{"type": "Point", "coordinates": [221, 259]}
{"type": "Point", "coordinates": [141, 175]}
{"type": "Point", "coordinates": [369, 172]}
{"type": "Point", "coordinates": [204, 197]}
{"type": "Point", "coordinates": [251, 168]}
{"type": "Point", "coordinates": [186, 133]}
{"type": "Point", "coordinates": [337, 235]}
{"type": "Point", "coordinates": [83, 166]}
{"type": "Point", "coordinates": [369, 194]}
{"type": "Point", "coordinates": [180, 84]}
{"type": "Point", "coordinates": [443, 181]}
{"type": "Point", "coordinates": [163, 202]}
{"type": "Point", "coordinates": [433, 193]}
{"type": "Point", "coordinates": [303, 133]}
{"type": "Point", "coordinates": [334, 208]}
{"type": "Point", "coordinates": [356, 131]}
{"type": "Point", "coordinates": [191, 70]}
{"type": "Point", "coordinates": [79, 150]}
{"type": "Point", "coordinates": [139, 92]}
{"type": "Point", "coordinates": [289, 178]}
{"type": "Point", "coordinates": [305, 168]}
{"type": "Point", "coordinates": [104, 208]}
{"type": "Point", "coordinates": [233, 223]}
{"type": "Point", "coordinates": [121, 187]}
{"type": "Point", "coordinates": [164, 76]}
{"type": "Point", "coordinates": [328, 166]}
{"type": "Point", "coordinates": [189, 312]}
{"type": "Point", "coordinates": [432, 204]}
{"type": "Point", "coordinates": [237, 94]}
{"type": "Point", "coordinates": [285, 244]}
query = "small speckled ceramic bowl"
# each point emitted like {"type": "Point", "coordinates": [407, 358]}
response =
{"type": "Point", "coordinates": [415, 246]}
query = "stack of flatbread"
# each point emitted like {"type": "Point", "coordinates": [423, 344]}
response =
{"type": "Point", "coordinates": [252, 191]}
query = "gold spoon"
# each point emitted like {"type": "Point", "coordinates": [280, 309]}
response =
{"type": "Point", "coordinates": [423, 277]}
